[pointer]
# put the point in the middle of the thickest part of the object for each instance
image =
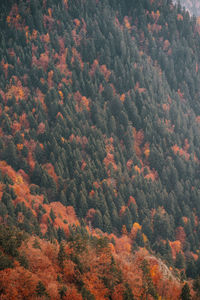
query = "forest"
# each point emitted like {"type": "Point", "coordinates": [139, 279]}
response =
{"type": "Point", "coordinates": [99, 149]}
{"type": "Point", "coordinates": [193, 6]}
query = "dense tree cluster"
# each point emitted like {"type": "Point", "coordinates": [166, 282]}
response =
{"type": "Point", "coordinates": [100, 118]}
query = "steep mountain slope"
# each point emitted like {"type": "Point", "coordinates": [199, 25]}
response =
{"type": "Point", "coordinates": [100, 120]}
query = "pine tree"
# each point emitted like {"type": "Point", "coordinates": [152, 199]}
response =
{"type": "Point", "coordinates": [61, 256]}
{"type": "Point", "coordinates": [41, 289]}
{"type": "Point", "coordinates": [185, 293]}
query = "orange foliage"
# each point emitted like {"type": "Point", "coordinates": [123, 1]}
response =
{"type": "Point", "coordinates": [136, 226]}
{"type": "Point", "coordinates": [127, 23]}
{"type": "Point", "coordinates": [138, 88]}
{"type": "Point", "coordinates": [179, 151]}
{"type": "Point", "coordinates": [129, 164]}
{"type": "Point", "coordinates": [95, 285]}
{"type": "Point", "coordinates": [50, 12]}
{"type": "Point", "coordinates": [17, 283]}
{"type": "Point", "coordinates": [30, 160]}
{"type": "Point", "coordinates": [45, 38]}
{"type": "Point", "coordinates": [61, 95]}
{"type": "Point", "coordinates": [155, 15]}
{"type": "Point", "coordinates": [118, 292]}
{"type": "Point", "coordinates": [195, 256]}
{"type": "Point", "coordinates": [122, 210]}
{"type": "Point", "coordinates": [90, 214]}
{"type": "Point", "coordinates": [109, 159]}
{"type": "Point", "coordinates": [82, 102]}
{"type": "Point", "coordinates": [5, 67]}
{"type": "Point", "coordinates": [96, 184]}
{"type": "Point", "coordinates": [43, 60]}
{"type": "Point", "coordinates": [166, 107]}
{"type": "Point", "coordinates": [93, 67]}
{"type": "Point", "coordinates": [34, 34]}
{"type": "Point", "coordinates": [185, 219]}
{"type": "Point", "coordinates": [179, 17]}
{"type": "Point", "coordinates": [176, 248]}
{"type": "Point", "coordinates": [41, 128]}
{"type": "Point", "coordinates": [137, 169]}
{"type": "Point", "coordinates": [16, 90]}
{"type": "Point", "coordinates": [77, 22]}
{"type": "Point", "coordinates": [71, 292]}
{"type": "Point", "coordinates": [105, 72]}
{"type": "Point", "coordinates": [122, 97]}
{"type": "Point", "coordinates": [65, 3]}
{"type": "Point", "coordinates": [146, 150]}
{"type": "Point", "coordinates": [77, 55]}
{"type": "Point", "coordinates": [123, 245]}
{"type": "Point", "coordinates": [79, 140]}
{"type": "Point", "coordinates": [92, 193]}
{"type": "Point", "coordinates": [1, 189]}
{"type": "Point", "coordinates": [138, 139]}
{"type": "Point", "coordinates": [23, 120]}
{"type": "Point", "coordinates": [65, 216]}
{"type": "Point", "coordinates": [6, 169]}
{"type": "Point", "coordinates": [15, 19]}
{"type": "Point", "coordinates": [50, 79]}
{"type": "Point", "coordinates": [83, 165]}
{"type": "Point", "coordinates": [69, 271]}
{"type": "Point", "coordinates": [19, 147]}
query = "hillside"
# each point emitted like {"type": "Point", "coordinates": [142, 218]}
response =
{"type": "Point", "coordinates": [193, 6]}
{"type": "Point", "coordinates": [99, 149]}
